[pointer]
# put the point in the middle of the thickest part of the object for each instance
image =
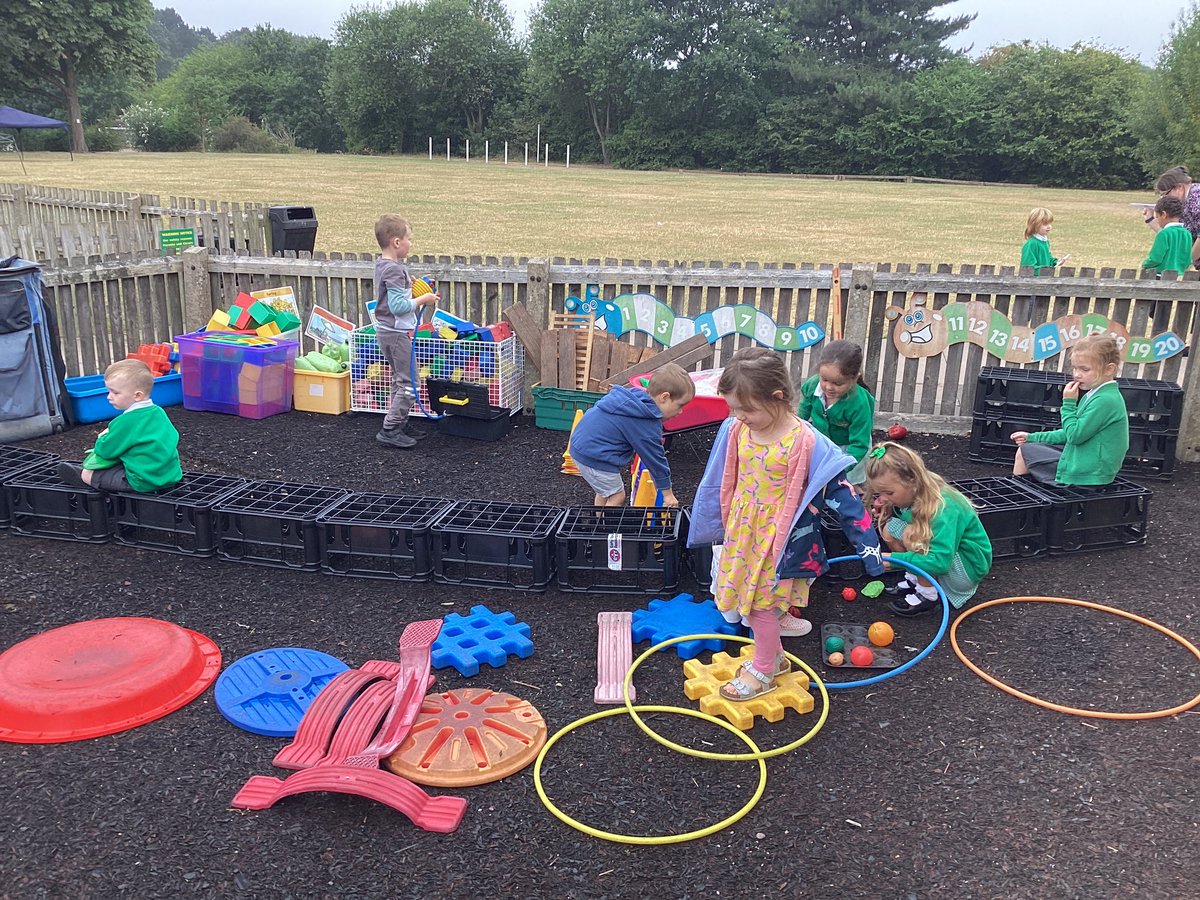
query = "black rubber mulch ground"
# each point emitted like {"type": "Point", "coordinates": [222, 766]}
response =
{"type": "Point", "coordinates": [933, 784]}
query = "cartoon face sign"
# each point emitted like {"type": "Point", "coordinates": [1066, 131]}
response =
{"type": "Point", "coordinates": [918, 331]}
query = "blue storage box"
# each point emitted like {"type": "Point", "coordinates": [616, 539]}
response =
{"type": "Point", "coordinates": [88, 397]}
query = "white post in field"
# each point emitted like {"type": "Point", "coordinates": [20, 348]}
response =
{"type": "Point", "coordinates": [537, 146]}
{"type": "Point", "coordinates": [468, 149]}
{"type": "Point", "coordinates": [486, 151]}
{"type": "Point", "coordinates": [447, 149]}
{"type": "Point", "coordinates": [568, 156]}
{"type": "Point", "coordinates": [431, 148]}
{"type": "Point", "coordinates": [506, 153]}
{"type": "Point", "coordinates": [527, 153]}
{"type": "Point", "coordinates": [546, 156]}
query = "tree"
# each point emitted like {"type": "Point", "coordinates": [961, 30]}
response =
{"type": "Point", "coordinates": [197, 94]}
{"type": "Point", "coordinates": [51, 45]}
{"type": "Point", "coordinates": [175, 39]}
{"type": "Point", "coordinates": [1166, 114]}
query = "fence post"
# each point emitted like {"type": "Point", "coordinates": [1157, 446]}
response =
{"type": "Point", "coordinates": [537, 304]}
{"type": "Point", "coordinates": [858, 304]}
{"type": "Point", "coordinates": [20, 210]}
{"type": "Point", "coordinates": [1187, 448]}
{"type": "Point", "coordinates": [197, 292]}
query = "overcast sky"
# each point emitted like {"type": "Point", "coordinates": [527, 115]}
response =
{"type": "Point", "coordinates": [1137, 27]}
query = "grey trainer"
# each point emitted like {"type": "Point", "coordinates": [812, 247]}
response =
{"type": "Point", "coordinates": [395, 437]}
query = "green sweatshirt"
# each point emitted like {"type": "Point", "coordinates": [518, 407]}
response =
{"type": "Point", "coordinates": [847, 422]}
{"type": "Point", "coordinates": [1036, 253]}
{"type": "Point", "coordinates": [956, 529]}
{"type": "Point", "coordinates": [1095, 435]}
{"type": "Point", "coordinates": [143, 440]}
{"type": "Point", "coordinates": [1171, 250]}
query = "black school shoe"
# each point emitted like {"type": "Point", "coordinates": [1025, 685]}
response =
{"type": "Point", "coordinates": [908, 610]}
{"type": "Point", "coordinates": [70, 475]}
{"type": "Point", "coordinates": [901, 588]}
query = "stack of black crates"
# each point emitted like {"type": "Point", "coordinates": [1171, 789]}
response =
{"type": "Point", "coordinates": [1008, 400]}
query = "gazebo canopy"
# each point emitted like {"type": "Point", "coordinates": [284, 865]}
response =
{"type": "Point", "coordinates": [18, 120]}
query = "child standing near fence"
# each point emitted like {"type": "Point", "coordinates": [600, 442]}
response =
{"type": "Point", "coordinates": [1090, 447]}
{"type": "Point", "coordinates": [1036, 249]}
{"type": "Point", "coordinates": [396, 315]}
{"type": "Point", "coordinates": [926, 522]}
{"type": "Point", "coordinates": [1172, 247]}
{"type": "Point", "coordinates": [837, 403]}
{"type": "Point", "coordinates": [768, 477]}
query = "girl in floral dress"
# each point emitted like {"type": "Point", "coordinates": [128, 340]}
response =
{"type": "Point", "coordinates": [768, 478]}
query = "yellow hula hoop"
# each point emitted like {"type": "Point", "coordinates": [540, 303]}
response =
{"type": "Point", "coordinates": [708, 754]}
{"type": "Point", "coordinates": [1071, 710]}
{"type": "Point", "coordinates": [648, 839]}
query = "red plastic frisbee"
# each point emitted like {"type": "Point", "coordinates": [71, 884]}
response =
{"type": "Point", "coordinates": [100, 677]}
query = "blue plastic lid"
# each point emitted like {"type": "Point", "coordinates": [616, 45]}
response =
{"type": "Point", "coordinates": [268, 692]}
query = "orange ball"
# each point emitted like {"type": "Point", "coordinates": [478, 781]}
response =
{"type": "Point", "coordinates": [862, 656]}
{"type": "Point", "coordinates": [880, 634]}
{"type": "Point", "coordinates": [836, 659]}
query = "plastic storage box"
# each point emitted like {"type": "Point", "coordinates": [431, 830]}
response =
{"type": "Point", "coordinates": [554, 408]}
{"type": "Point", "coordinates": [642, 543]}
{"type": "Point", "coordinates": [465, 410]}
{"type": "Point", "coordinates": [42, 506]}
{"type": "Point", "coordinates": [179, 520]}
{"type": "Point", "coordinates": [705, 408]}
{"type": "Point", "coordinates": [252, 381]}
{"type": "Point", "coordinates": [14, 461]}
{"type": "Point", "coordinates": [500, 545]}
{"type": "Point", "coordinates": [1013, 514]}
{"type": "Point", "coordinates": [274, 523]}
{"type": "Point", "coordinates": [88, 397]}
{"type": "Point", "coordinates": [380, 536]}
{"type": "Point", "coordinates": [1094, 518]}
{"type": "Point", "coordinates": [321, 392]}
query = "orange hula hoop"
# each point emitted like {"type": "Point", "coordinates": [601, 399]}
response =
{"type": "Point", "coordinates": [1046, 704]}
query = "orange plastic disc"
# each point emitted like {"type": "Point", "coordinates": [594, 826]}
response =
{"type": "Point", "coordinates": [469, 736]}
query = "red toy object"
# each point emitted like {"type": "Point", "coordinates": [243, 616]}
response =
{"type": "Point", "coordinates": [897, 433]}
{"type": "Point", "coordinates": [100, 677]}
{"type": "Point", "coordinates": [862, 656]}
{"type": "Point", "coordinates": [336, 750]}
{"type": "Point", "coordinates": [157, 357]}
{"type": "Point", "coordinates": [848, 594]}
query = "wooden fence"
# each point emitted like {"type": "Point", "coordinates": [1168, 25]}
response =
{"type": "Point", "coordinates": [109, 306]}
{"type": "Point", "coordinates": [51, 225]}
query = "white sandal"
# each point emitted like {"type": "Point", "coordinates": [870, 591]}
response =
{"type": "Point", "coordinates": [741, 688]}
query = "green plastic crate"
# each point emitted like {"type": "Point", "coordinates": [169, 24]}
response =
{"type": "Point", "coordinates": [554, 408]}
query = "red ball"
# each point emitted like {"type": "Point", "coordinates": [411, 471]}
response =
{"type": "Point", "coordinates": [897, 432]}
{"type": "Point", "coordinates": [849, 593]}
{"type": "Point", "coordinates": [862, 656]}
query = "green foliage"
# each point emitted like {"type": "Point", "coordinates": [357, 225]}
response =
{"type": "Point", "coordinates": [151, 127]}
{"type": "Point", "coordinates": [175, 39]}
{"type": "Point", "coordinates": [1166, 114]}
{"type": "Point", "coordinates": [239, 135]}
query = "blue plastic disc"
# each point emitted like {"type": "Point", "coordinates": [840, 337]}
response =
{"type": "Point", "coordinates": [268, 692]}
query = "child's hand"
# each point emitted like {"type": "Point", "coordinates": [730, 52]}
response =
{"type": "Point", "coordinates": [1071, 391]}
{"type": "Point", "coordinates": [887, 565]}
{"type": "Point", "coordinates": [1020, 437]}
{"type": "Point", "coordinates": [669, 499]}
{"type": "Point", "coordinates": [429, 299]}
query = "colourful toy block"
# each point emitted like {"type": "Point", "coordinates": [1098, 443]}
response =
{"type": "Point", "coordinates": [287, 321]}
{"type": "Point", "coordinates": [239, 317]}
{"type": "Point", "coordinates": [268, 330]}
{"type": "Point", "coordinates": [218, 322]}
{"type": "Point", "coordinates": [261, 313]}
{"type": "Point", "coordinates": [704, 684]}
{"type": "Point", "coordinates": [483, 636]}
{"type": "Point", "coordinates": [666, 619]}
{"type": "Point", "coordinates": [448, 333]}
{"type": "Point", "coordinates": [244, 300]}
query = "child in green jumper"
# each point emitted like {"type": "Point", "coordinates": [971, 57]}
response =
{"type": "Point", "coordinates": [1090, 447]}
{"type": "Point", "coordinates": [928, 523]}
{"type": "Point", "coordinates": [1172, 247]}
{"type": "Point", "coordinates": [139, 450]}
{"type": "Point", "coordinates": [1035, 251]}
{"type": "Point", "coordinates": [837, 403]}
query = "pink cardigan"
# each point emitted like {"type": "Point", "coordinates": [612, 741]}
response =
{"type": "Point", "coordinates": [797, 479]}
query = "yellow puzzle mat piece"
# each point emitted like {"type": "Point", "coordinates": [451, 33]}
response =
{"type": "Point", "coordinates": [704, 684]}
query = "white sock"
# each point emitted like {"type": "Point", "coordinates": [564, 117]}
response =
{"type": "Point", "coordinates": [921, 592]}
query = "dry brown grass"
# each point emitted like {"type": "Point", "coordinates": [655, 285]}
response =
{"type": "Point", "coordinates": [586, 212]}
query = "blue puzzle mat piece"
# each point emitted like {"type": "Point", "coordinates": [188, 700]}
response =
{"type": "Point", "coordinates": [481, 637]}
{"type": "Point", "coordinates": [666, 619]}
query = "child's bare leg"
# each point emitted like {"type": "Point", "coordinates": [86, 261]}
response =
{"type": "Point", "coordinates": [86, 475]}
{"type": "Point", "coordinates": [617, 499]}
{"type": "Point", "coordinates": [1019, 467]}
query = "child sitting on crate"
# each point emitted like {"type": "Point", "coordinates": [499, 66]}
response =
{"type": "Point", "coordinates": [626, 421]}
{"type": "Point", "coordinates": [139, 450]}
{"type": "Point", "coordinates": [397, 313]}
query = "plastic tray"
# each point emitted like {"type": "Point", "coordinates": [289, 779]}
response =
{"type": "Point", "coordinates": [88, 396]}
{"type": "Point", "coordinates": [856, 636]}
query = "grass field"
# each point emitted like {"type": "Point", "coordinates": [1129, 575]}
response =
{"type": "Point", "coordinates": [462, 207]}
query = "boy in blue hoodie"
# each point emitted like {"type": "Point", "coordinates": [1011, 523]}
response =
{"type": "Point", "coordinates": [626, 421]}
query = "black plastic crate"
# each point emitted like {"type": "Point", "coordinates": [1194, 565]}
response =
{"type": "Point", "coordinates": [1160, 400]}
{"type": "Point", "coordinates": [371, 535]}
{"type": "Point", "coordinates": [1151, 454]}
{"type": "Point", "coordinates": [179, 520]}
{"type": "Point", "coordinates": [1000, 386]}
{"type": "Point", "coordinates": [274, 523]}
{"type": "Point", "coordinates": [649, 549]}
{"type": "Point", "coordinates": [991, 436]}
{"type": "Point", "coordinates": [42, 505]}
{"type": "Point", "coordinates": [1013, 514]}
{"type": "Point", "coordinates": [499, 545]}
{"type": "Point", "coordinates": [13, 461]}
{"type": "Point", "coordinates": [697, 559]}
{"type": "Point", "coordinates": [836, 544]}
{"type": "Point", "coordinates": [1093, 518]}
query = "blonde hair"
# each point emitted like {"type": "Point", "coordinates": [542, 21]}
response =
{"type": "Point", "coordinates": [1038, 216]}
{"type": "Point", "coordinates": [672, 378]}
{"type": "Point", "coordinates": [907, 467]}
{"type": "Point", "coordinates": [388, 227]}
{"type": "Point", "coordinates": [1102, 348]}
{"type": "Point", "coordinates": [132, 373]}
